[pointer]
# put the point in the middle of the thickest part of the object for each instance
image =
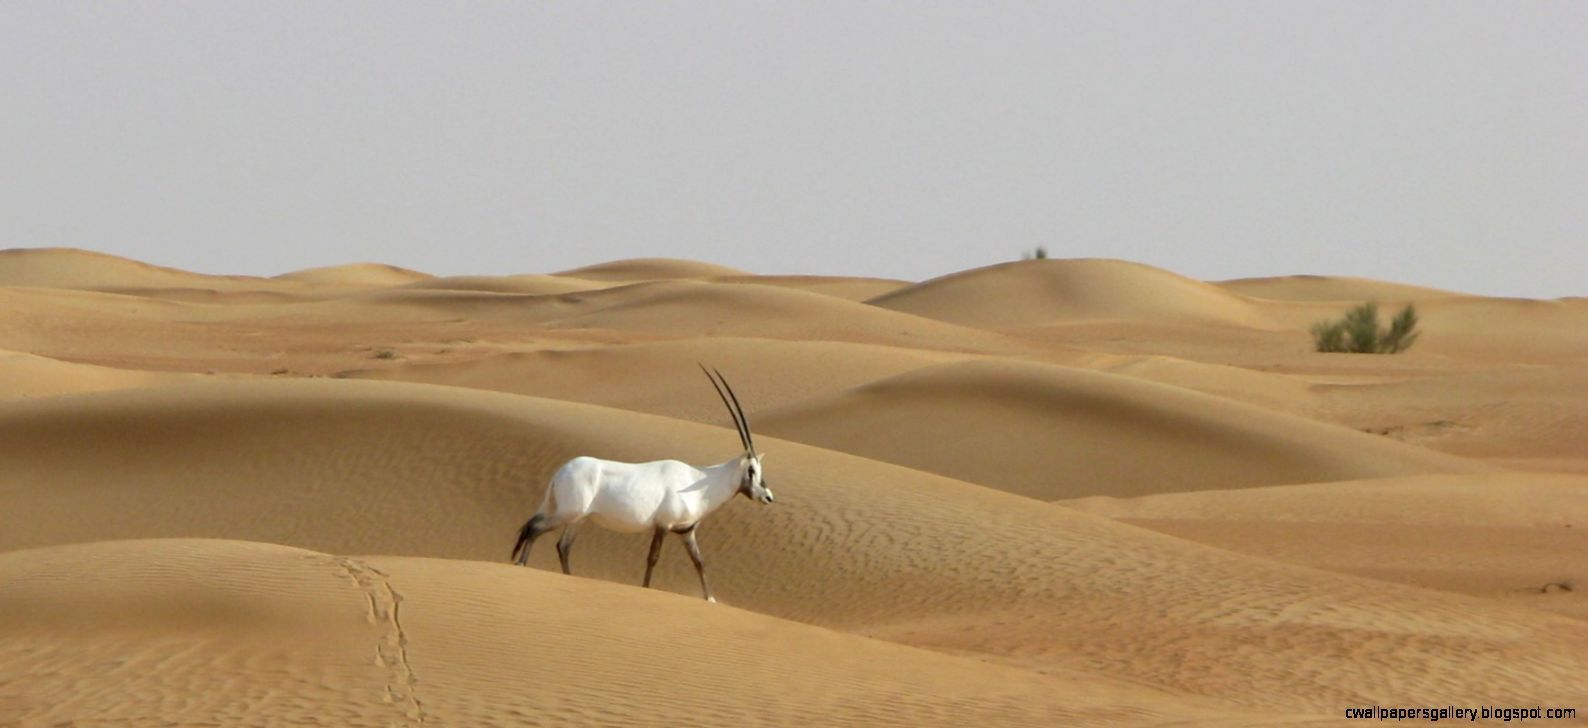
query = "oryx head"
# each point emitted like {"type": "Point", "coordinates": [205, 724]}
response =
{"type": "Point", "coordinates": [752, 477]}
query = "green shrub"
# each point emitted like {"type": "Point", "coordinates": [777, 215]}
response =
{"type": "Point", "coordinates": [1329, 336]}
{"type": "Point", "coordinates": [1359, 333]}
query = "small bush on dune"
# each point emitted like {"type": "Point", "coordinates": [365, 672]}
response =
{"type": "Point", "coordinates": [1359, 333]}
{"type": "Point", "coordinates": [1403, 330]}
{"type": "Point", "coordinates": [1329, 336]}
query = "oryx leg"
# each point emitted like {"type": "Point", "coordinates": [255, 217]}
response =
{"type": "Point", "coordinates": [700, 566]}
{"type": "Point", "coordinates": [537, 526]}
{"type": "Point", "coordinates": [565, 545]}
{"type": "Point", "coordinates": [656, 554]}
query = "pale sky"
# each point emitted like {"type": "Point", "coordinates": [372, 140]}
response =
{"type": "Point", "coordinates": [1437, 143]}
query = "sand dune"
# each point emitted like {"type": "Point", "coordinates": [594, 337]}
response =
{"type": "Point", "coordinates": [1281, 392]}
{"type": "Point", "coordinates": [1271, 534]}
{"type": "Point", "coordinates": [1038, 292]}
{"type": "Point", "coordinates": [1522, 330]}
{"type": "Point", "coordinates": [1515, 536]}
{"type": "Point", "coordinates": [722, 309]}
{"type": "Point", "coordinates": [26, 375]}
{"type": "Point", "coordinates": [73, 268]}
{"type": "Point", "coordinates": [1468, 329]}
{"type": "Point", "coordinates": [528, 284]}
{"type": "Point", "coordinates": [362, 467]}
{"type": "Point", "coordinates": [1525, 412]}
{"type": "Point", "coordinates": [671, 309]}
{"type": "Point", "coordinates": [1521, 413]}
{"type": "Point", "coordinates": [75, 324]}
{"type": "Point", "coordinates": [357, 275]}
{"type": "Point", "coordinates": [660, 310]}
{"type": "Point", "coordinates": [664, 377]}
{"type": "Point", "coordinates": [185, 631]}
{"type": "Point", "coordinates": [847, 288]}
{"type": "Point", "coordinates": [1054, 432]}
{"type": "Point", "coordinates": [1330, 288]}
{"type": "Point", "coordinates": [650, 269]}
{"type": "Point", "coordinates": [164, 334]}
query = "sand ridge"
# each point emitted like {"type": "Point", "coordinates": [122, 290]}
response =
{"type": "Point", "coordinates": [650, 269]}
{"type": "Point", "coordinates": [88, 270]}
{"type": "Point", "coordinates": [846, 287]}
{"type": "Point", "coordinates": [726, 309]}
{"type": "Point", "coordinates": [446, 472]}
{"type": "Point", "coordinates": [529, 284]}
{"type": "Point", "coordinates": [1036, 292]}
{"type": "Point", "coordinates": [1056, 432]}
{"type": "Point", "coordinates": [260, 501]}
{"type": "Point", "coordinates": [435, 630]}
{"type": "Point", "coordinates": [774, 370]}
{"type": "Point", "coordinates": [27, 375]}
{"type": "Point", "coordinates": [1330, 288]}
{"type": "Point", "coordinates": [1518, 537]}
{"type": "Point", "coordinates": [356, 275]}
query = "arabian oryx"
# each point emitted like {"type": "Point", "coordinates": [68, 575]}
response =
{"type": "Point", "coordinates": [662, 495]}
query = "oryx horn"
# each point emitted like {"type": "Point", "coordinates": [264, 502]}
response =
{"type": "Point", "coordinates": [734, 410]}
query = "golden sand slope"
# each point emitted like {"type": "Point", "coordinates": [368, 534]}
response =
{"type": "Point", "coordinates": [1470, 330]}
{"type": "Point", "coordinates": [159, 332]}
{"type": "Point", "coordinates": [356, 275]}
{"type": "Point", "coordinates": [665, 378]}
{"type": "Point", "coordinates": [1281, 392]}
{"type": "Point", "coordinates": [1519, 537]}
{"type": "Point", "coordinates": [191, 632]}
{"type": "Point", "coordinates": [527, 284]}
{"type": "Point", "coordinates": [365, 467]}
{"type": "Point", "coordinates": [1515, 412]}
{"type": "Point", "coordinates": [693, 308]}
{"type": "Point", "coordinates": [650, 269]}
{"type": "Point", "coordinates": [1514, 330]}
{"type": "Point", "coordinates": [1330, 288]}
{"type": "Point", "coordinates": [663, 309]}
{"type": "Point", "coordinates": [26, 375]}
{"type": "Point", "coordinates": [1036, 292]}
{"type": "Point", "coordinates": [1032, 612]}
{"type": "Point", "coordinates": [197, 632]}
{"type": "Point", "coordinates": [82, 269]}
{"type": "Point", "coordinates": [77, 325]}
{"type": "Point", "coordinates": [1056, 432]}
{"type": "Point", "coordinates": [845, 287]}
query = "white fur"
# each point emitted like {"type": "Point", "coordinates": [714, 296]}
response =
{"type": "Point", "coordinates": [660, 496]}
{"type": "Point", "coordinates": [634, 497]}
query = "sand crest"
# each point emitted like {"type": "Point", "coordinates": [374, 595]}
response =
{"type": "Point", "coordinates": [1037, 493]}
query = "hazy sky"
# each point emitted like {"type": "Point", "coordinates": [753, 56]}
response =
{"type": "Point", "coordinates": [1441, 143]}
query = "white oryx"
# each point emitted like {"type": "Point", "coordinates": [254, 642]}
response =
{"type": "Point", "coordinates": [662, 496]}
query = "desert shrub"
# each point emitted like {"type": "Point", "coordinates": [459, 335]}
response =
{"type": "Point", "coordinates": [1358, 332]}
{"type": "Point", "coordinates": [1403, 330]}
{"type": "Point", "coordinates": [1040, 253]}
{"type": "Point", "coordinates": [1329, 336]}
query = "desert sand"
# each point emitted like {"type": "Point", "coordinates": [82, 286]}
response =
{"type": "Point", "coordinates": [1050, 492]}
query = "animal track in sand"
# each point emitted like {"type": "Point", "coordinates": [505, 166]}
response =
{"type": "Point", "coordinates": [392, 650]}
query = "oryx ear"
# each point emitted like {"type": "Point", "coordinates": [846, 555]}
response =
{"type": "Point", "coordinates": [760, 456]}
